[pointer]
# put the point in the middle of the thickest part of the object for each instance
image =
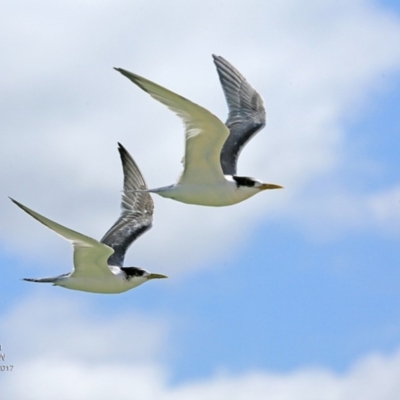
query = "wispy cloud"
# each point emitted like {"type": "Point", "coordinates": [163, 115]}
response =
{"type": "Point", "coordinates": [61, 349]}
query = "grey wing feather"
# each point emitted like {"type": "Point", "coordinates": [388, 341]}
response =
{"type": "Point", "coordinates": [246, 113]}
{"type": "Point", "coordinates": [136, 211]}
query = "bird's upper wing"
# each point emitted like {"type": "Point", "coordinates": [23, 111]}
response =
{"type": "Point", "coordinates": [136, 211]}
{"type": "Point", "coordinates": [90, 256]}
{"type": "Point", "coordinates": [246, 112]}
{"type": "Point", "coordinates": [205, 133]}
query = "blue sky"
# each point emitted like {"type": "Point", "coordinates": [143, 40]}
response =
{"type": "Point", "coordinates": [268, 297]}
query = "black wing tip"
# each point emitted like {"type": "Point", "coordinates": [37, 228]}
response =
{"type": "Point", "coordinates": [122, 148]}
{"type": "Point", "coordinates": [216, 58]}
{"type": "Point", "coordinates": [136, 79]}
{"type": "Point", "coordinates": [228, 74]}
{"type": "Point", "coordinates": [219, 61]}
{"type": "Point", "coordinates": [126, 157]}
{"type": "Point", "coordinates": [20, 205]}
{"type": "Point", "coordinates": [26, 209]}
{"type": "Point", "coordinates": [126, 73]}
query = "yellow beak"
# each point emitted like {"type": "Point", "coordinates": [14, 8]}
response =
{"type": "Point", "coordinates": [266, 186]}
{"type": "Point", "coordinates": [156, 276]}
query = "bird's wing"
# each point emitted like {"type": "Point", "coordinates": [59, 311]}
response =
{"type": "Point", "coordinates": [90, 256]}
{"type": "Point", "coordinates": [205, 133]}
{"type": "Point", "coordinates": [136, 211]}
{"type": "Point", "coordinates": [246, 113]}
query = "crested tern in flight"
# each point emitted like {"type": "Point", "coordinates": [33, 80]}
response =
{"type": "Point", "coordinates": [212, 148]}
{"type": "Point", "coordinates": [98, 266]}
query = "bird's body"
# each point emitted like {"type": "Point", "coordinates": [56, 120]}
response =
{"type": "Point", "coordinates": [211, 147]}
{"type": "Point", "coordinates": [226, 192]}
{"type": "Point", "coordinates": [98, 266]}
{"type": "Point", "coordinates": [118, 282]}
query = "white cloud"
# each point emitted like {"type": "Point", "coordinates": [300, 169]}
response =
{"type": "Point", "coordinates": [77, 332]}
{"type": "Point", "coordinates": [373, 377]}
{"type": "Point", "coordinates": [60, 349]}
{"type": "Point", "coordinates": [65, 109]}
{"type": "Point", "coordinates": [54, 342]}
{"type": "Point", "coordinates": [335, 208]}
{"type": "Point", "coordinates": [48, 378]}
{"type": "Point", "coordinates": [385, 207]}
